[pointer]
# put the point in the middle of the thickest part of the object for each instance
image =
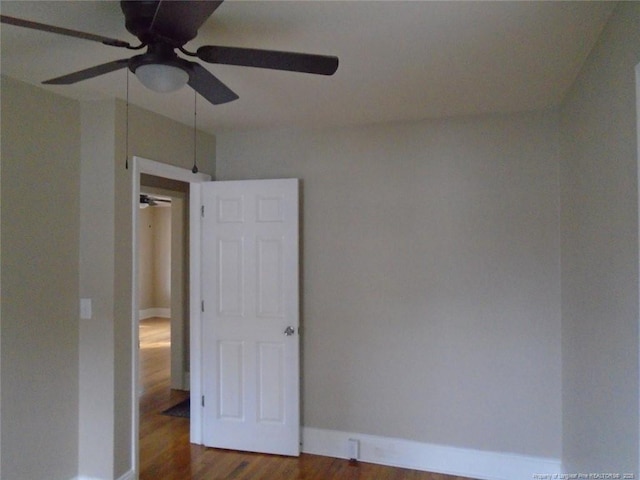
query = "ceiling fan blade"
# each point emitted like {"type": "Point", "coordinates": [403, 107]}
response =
{"type": "Point", "coordinates": [203, 82]}
{"type": "Point", "coordinates": [181, 19]}
{"type": "Point", "coordinates": [88, 73]}
{"type": "Point", "coordinates": [250, 57]}
{"type": "Point", "coordinates": [63, 31]}
{"type": "Point", "coordinates": [152, 201]}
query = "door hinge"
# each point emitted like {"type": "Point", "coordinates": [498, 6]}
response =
{"type": "Point", "coordinates": [202, 211]}
{"type": "Point", "coordinates": [202, 401]}
{"type": "Point", "coordinates": [202, 306]}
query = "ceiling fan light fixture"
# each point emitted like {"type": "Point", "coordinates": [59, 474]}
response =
{"type": "Point", "coordinates": [162, 78]}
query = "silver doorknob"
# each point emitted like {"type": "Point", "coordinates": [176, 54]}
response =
{"type": "Point", "coordinates": [289, 331]}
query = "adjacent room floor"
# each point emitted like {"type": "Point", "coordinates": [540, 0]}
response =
{"type": "Point", "coordinates": [165, 451]}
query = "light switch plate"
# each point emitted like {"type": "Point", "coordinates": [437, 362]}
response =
{"type": "Point", "coordinates": [85, 309]}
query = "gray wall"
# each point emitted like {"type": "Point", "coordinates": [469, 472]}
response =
{"type": "Point", "coordinates": [96, 357]}
{"type": "Point", "coordinates": [40, 252]}
{"type": "Point", "coordinates": [600, 255]}
{"type": "Point", "coordinates": [154, 269]}
{"type": "Point", "coordinates": [431, 295]}
{"type": "Point", "coordinates": [146, 292]}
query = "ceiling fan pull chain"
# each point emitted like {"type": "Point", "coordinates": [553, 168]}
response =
{"type": "Point", "coordinates": [126, 123]}
{"type": "Point", "coordinates": [195, 144]}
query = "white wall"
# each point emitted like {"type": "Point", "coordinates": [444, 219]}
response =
{"type": "Point", "coordinates": [40, 224]}
{"type": "Point", "coordinates": [431, 294]}
{"type": "Point", "coordinates": [600, 255]}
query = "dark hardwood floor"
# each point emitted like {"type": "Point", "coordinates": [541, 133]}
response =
{"type": "Point", "coordinates": [166, 454]}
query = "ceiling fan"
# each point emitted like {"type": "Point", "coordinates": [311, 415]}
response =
{"type": "Point", "coordinates": [164, 26]}
{"type": "Point", "coordinates": [149, 201]}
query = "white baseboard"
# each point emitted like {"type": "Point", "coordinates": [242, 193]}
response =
{"type": "Point", "coordinates": [155, 312]}
{"type": "Point", "coordinates": [127, 476]}
{"type": "Point", "coordinates": [428, 457]}
{"type": "Point", "coordinates": [130, 475]}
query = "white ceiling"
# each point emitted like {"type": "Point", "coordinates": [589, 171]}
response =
{"type": "Point", "coordinates": [399, 60]}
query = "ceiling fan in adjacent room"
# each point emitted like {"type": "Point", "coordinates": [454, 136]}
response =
{"type": "Point", "coordinates": [153, 201]}
{"type": "Point", "coordinates": [163, 27]}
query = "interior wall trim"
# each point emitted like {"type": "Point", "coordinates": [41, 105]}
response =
{"type": "Point", "coordinates": [127, 476]}
{"type": "Point", "coordinates": [130, 475]}
{"type": "Point", "coordinates": [396, 452]}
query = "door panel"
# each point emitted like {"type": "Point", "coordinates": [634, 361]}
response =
{"type": "Point", "coordinates": [230, 380]}
{"type": "Point", "coordinates": [230, 272]}
{"type": "Point", "coordinates": [269, 276]}
{"type": "Point", "coordinates": [250, 291]}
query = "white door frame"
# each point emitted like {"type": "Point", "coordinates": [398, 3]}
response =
{"type": "Point", "coordinates": [195, 317]}
{"type": "Point", "coordinates": [163, 170]}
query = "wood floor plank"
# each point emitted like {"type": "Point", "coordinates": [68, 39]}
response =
{"type": "Point", "coordinates": [166, 454]}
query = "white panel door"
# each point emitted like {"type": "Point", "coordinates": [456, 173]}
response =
{"type": "Point", "coordinates": [250, 319]}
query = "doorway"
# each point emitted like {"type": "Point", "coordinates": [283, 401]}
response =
{"type": "Point", "coordinates": [163, 265]}
{"type": "Point", "coordinates": [173, 182]}
{"type": "Point", "coordinates": [159, 388]}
